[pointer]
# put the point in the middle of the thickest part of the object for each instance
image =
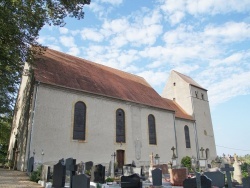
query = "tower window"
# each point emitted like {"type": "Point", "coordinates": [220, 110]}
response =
{"type": "Point", "coordinates": [196, 94]}
{"type": "Point", "coordinates": [120, 126]}
{"type": "Point", "coordinates": [202, 96]}
{"type": "Point", "coordinates": [174, 84]}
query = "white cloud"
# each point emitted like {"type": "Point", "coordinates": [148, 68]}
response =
{"type": "Point", "coordinates": [229, 32]}
{"type": "Point", "coordinates": [74, 51]}
{"type": "Point", "coordinates": [176, 17]}
{"type": "Point", "coordinates": [67, 41]}
{"type": "Point", "coordinates": [112, 2]}
{"type": "Point", "coordinates": [54, 47]}
{"type": "Point", "coordinates": [154, 78]}
{"type": "Point", "coordinates": [153, 18]}
{"type": "Point", "coordinates": [91, 34]}
{"type": "Point", "coordinates": [63, 30]}
{"type": "Point", "coordinates": [116, 26]}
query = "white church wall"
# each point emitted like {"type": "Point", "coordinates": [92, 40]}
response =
{"type": "Point", "coordinates": [182, 150]}
{"type": "Point", "coordinates": [53, 126]}
{"type": "Point", "coordinates": [204, 126]}
{"type": "Point", "coordinates": [177, 89]}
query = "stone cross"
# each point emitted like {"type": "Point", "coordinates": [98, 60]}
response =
{"type": "Point", "coordinates": [202, 150]}
{"type": "Point", "coordinates": [227, 169]}
{"type": "Point", "coordinates": [113, 166]}
{"type": "Point", "coordinates": [173, 149]}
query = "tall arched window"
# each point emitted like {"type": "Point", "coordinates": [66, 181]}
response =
{"type": "Point", "coordinates": [187, 137]}
{"type": "Point", "coordinates": [79, 121]}
{"type": "Point", "coordinates": [120, 126]}
{"type": "Point", "coordinates": [151, 129]}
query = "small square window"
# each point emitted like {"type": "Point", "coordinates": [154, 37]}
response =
{"type": "Point", "coordinates": [174, 84]}
{"type": "Point", "coordinates": [202, 96]}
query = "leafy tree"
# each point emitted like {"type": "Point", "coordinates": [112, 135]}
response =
{"type": "Point", "coordinates": [186, 162]}
{"type": "Point", "coordinates": [20, 23]}
{"type": "Point", "coordinates": [5, 130]}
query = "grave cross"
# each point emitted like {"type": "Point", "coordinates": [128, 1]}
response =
{"type": "Point", "coordinates": [202, 150]}
{"type": "Point", "coordinates": [227, 169]}
{"type": "Point", "coordinates": [173, 149]}
{"type": "Point", "coordinates": [113, 155]}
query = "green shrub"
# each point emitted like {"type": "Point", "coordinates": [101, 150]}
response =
{"type": "Point", "coordinates": [109, 179]}
{"type": "Point", "coordinates": [186, 162]}
{"type": "Point", "coordinates": [36, 175]}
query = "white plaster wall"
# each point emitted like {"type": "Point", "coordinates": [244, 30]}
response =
{"type": "Point", "coordinates": [53, 125]}
{"type": "Point", "coordinates": [180, 92]}
{"type": "Point", "coordinates": [204, 122]}
{"type": "Point", "coordinates": [182, 150]}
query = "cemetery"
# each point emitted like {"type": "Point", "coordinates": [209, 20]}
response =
{"type": "Point", "coordinates": [222, 172]}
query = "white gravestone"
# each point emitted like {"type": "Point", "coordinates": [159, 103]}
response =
{"type": "Point", "coordinates": [237, 170]}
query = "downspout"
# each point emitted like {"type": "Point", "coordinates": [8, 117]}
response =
{"type": "Point", "coordinates": [32, 118]}
{"type": "Point", "coordinates": [176, 145]}
{"type": "Point", "coordinates": [195, 128]}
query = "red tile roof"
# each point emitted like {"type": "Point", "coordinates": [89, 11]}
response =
{"type": "Point", "coordinates": [60, 69]}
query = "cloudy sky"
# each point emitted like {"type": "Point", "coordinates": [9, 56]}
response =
{"type": "Point", "coordinates": [208, 40]}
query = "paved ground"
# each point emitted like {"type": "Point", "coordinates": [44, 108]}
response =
{"type": "Point", "coordinates": [15, 179]}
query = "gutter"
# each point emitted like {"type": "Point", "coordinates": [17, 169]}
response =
{"type": "Point", "coordinates": [176, 144]}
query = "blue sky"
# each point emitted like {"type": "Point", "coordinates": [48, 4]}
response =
{"type": "Point", "coordinates": [208, 40]}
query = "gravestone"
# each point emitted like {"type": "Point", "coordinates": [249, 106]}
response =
{"type": "Point", "coordinates": [218, 178]}
{"type": "Point", "coordinates": [246, 182]}
{"type": "Point", "coordinates": [164, 168]}
{"type": "Point", "coordinates": [59, 175]}
{"type": "Point", "coordinates": [98, 174]}
{"type": "Point", "coordinates": [177, 176]}
{"type": "Point", "coordinates": [132, 181]}
{"type": "Point", "coordinates": [88, 165]}
{"type": "Point", "coordinates": [31, 164]}
{"type": "Point", "coordinates": [198, 178]}
{"type": "Point", "coordinates": [81, 181]}
{"type": "Point", "coordinates": [157, 177]}
{"type": "Point", "coordinates": [71, 168]}
{"type": "Point", "coordinates": [46, 173]}
{"type": "Point", "coordinates": [80, 168]}
{"type": "Point", "coordinates": [227, 169]}
{"type": "Point", "coordinates": [192, 183]}
{"type": "Point", "coordinates": [237, 175]}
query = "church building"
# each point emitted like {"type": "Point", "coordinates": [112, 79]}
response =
{"type": "Point", "coordinates": [71, 107]}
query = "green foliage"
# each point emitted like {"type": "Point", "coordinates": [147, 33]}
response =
{"type": "Point", "coordinates": [20, 23]}
{"type": "Point", "coordinates": [36, 175]}
{"type": "Point", "coordinates": [186, 162]}
{"type": "Point", "coordinates": [109, 179]}
{"type": "Point", "coordinates": [244, 169]}
{"type": "Point", "coordinates": [5, 130]}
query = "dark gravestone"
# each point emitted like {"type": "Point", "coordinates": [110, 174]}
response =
{"type": "Point", "coordinates": [31, 164]}
{"type": "Point", "coordinates": [227, 169]}
{"type": "Point", "coordinates": [88, 165]}
{"type": "Point", "coordinates": [98, 174]}
{"type": "Point", "coordinates": [157, 177]}
{"type": "Point", "coordinates": [132, 181]}
{"type": "Point", "coordinates": [59, 175]}
{"type": "Point", "coordinates": [246, 182]}
{"type": "Point", "coordinates": [71, 168]}
{"type": "Point", "coordinates": [81, 181]}
{"type": "Point", "coordinates": [191, 182]}
{"type": "Point", "coordinates": [218, 178]}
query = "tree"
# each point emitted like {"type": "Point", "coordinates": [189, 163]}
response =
{"type": "Point", "coordinates": [186, 162]}
{"type": "Point", "coordinates": [20, 23]}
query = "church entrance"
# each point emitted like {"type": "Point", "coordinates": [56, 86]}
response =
{"type": "Point", "coordinates": [120, 157]}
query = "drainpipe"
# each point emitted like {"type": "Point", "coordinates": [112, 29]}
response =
{"type": "Point", "coordinates": [195, 128]}
{"type": "Point", "coordinates": [32, 118]}
{"type": "Point", "coordinates": [176, 145]}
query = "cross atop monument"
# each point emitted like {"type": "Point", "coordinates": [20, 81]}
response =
{"type": "Point", "coordinates": [173, 149]}
{"type": "Point", "coordinates": [202, 150]}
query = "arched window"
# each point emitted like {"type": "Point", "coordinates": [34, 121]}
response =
{"type": "Point", "coordinates": [79, 121]}
{"type": "Point", "coordinates": [151, 129]}
{"type": "Point", "coordinates": [120, 126]}
{"type": "Point", "coordinates": [187, 137]}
